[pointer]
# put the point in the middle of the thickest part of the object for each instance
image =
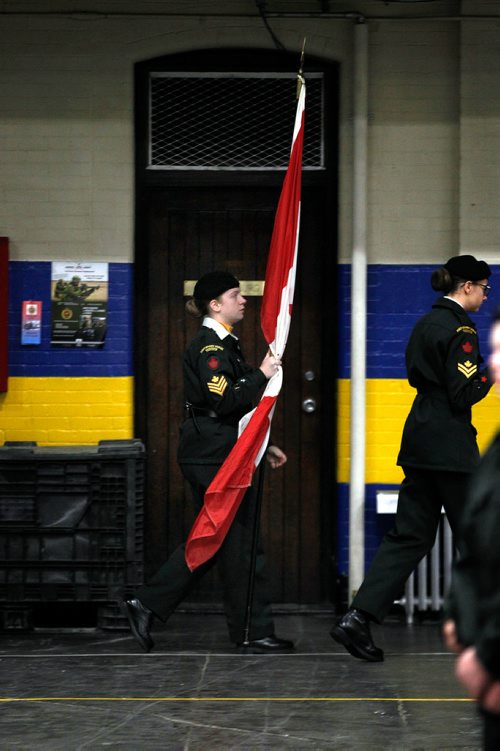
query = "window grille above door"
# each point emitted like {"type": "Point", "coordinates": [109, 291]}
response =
{"type": "Point", "coordinates": [231, 121]}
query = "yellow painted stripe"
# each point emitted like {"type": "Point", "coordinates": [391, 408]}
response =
{"type": "Point", "coordinates": [388, 402]}
{"type": "Point", "coordinates": [67, 411]}
{"type": "Point", "coordinates": [237, 698]}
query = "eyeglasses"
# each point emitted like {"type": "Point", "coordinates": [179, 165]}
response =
{"type": "Point", "coordinates": [486, 287]}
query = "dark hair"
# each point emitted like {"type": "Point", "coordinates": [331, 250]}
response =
{"type": "Point", "coordinates": [443, 281]}
{"type": "Point", "coordinates": [195, 308]}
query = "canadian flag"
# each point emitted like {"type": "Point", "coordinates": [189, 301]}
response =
{"type": "Point", "coordinates": [226, 491]}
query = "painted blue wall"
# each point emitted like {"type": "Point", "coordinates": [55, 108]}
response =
{"type": "Point", "coordinates": [31, 281]}
{"type": "Point", "coordinates": [396, 298]}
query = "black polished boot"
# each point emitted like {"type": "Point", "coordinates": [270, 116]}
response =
{"type": "Point", "coordinates": [140, 619]}
{"type": "Point", "coordinates": [353, 632]}
{"type": "Point", "coordinates": [267, 645]}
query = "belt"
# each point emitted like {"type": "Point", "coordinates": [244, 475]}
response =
{"type": "Point", "coordinates": [199, 410]}
{"type": "Point", "coordinates": [437, 392]}
{"type": "Point", "coordinates": [193, 411]}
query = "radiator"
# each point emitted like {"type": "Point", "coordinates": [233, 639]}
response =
{"type": "Point", "coordinates": [428, 585]}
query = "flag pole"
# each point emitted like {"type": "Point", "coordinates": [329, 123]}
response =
{"type": "Point", "coordinates": [253, 556]}
{"type": "Point", "coordinates": [260, 486]}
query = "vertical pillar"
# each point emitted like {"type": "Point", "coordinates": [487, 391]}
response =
{"type": "Point", "coordinates": [358, 313]}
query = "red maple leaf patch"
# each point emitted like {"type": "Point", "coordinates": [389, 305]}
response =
{"type": "Point", "coordinates": [467, 347]}
{"type": "Point", "coordinates": [213, 363]}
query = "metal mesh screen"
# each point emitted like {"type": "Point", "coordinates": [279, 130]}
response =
{"type": "Point", "coordinates": [223, 121]}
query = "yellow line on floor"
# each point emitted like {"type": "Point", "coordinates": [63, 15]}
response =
{"type": "Point", "coordinates": [230, 698]}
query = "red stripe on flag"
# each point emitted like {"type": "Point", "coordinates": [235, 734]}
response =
{"type": "Point", "coordinates": [227, 489]}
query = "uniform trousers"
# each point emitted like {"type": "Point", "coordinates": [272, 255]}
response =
{"type": "Point", "coordinates": [491, 731]}
{"type": "Point", "coordinates": [173, 581]}
{"type": "Point", "coordinates": [421, 496]}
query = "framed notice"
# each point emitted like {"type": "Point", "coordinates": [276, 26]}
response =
{"type": "Point", "coordinates": [79, 302]}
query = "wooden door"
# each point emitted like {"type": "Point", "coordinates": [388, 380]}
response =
{"type": "Point", "coordinates": [191, 231]}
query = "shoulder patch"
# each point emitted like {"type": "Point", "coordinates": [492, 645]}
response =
{"type": "Point", "coordinates": [467, 347]}
{"type": "Point", "coordinates": [466, 330]}
{"type": "Point", "coordinates": [467, 368]}
{"type": "Point", "coordinates": [211, 348]}
{"type": "Point", "coordinates": [217, 385]}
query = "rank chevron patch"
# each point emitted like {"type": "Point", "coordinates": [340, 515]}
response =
{"type": "Point", "coordinates": [467, 368]}
{"type": "Point", "coordinates": [217, 385]}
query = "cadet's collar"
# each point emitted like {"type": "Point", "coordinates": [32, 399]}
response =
{"type": "Point", "coordinates": [450, 303]}
{"type": "Point", "coordinates": [219, 329]}
{"type": "Point", "coordinates": [447, 297]}
{"type": "Point", "coordinates": [453, 305]}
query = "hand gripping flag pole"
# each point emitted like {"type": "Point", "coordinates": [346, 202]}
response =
{"type": "Point", "coordinates": [226, 491]}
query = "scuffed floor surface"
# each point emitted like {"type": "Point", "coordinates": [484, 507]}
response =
{"type": "Point", "coordinates": [66, 691]}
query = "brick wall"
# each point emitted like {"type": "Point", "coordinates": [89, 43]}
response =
{"type": "Point", "coordinates": [68, 396]}
{"type": "Point", "coordinates": [67, 192]}
{"type": "Point", "coordinates": [479, 136]}
{"type": "Point", "coordinates": [413, 142]}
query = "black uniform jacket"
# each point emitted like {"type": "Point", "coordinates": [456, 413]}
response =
{"type": "Point", "coordinates": [221, 388]}
{"type": "Point", "coordinates": [442, 361]}
{"type": "Point", "coordinates": [474, 600]}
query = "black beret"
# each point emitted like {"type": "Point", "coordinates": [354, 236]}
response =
{"type": "Point", "coordinates": [213, 284]}
{"type": "Point", "coordinates": [468, 268]}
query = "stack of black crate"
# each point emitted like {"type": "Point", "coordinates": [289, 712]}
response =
{"type": "Point", "coordinates": [71, 531]}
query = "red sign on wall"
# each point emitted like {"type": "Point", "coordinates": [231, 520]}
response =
{"type": "Point", "coordinates": [4, 311]}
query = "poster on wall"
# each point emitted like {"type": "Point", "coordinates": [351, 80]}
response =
{"type": "Point", "coordinates": [31, 329]}
{"type": "Point", "coordinates": [79, 301]}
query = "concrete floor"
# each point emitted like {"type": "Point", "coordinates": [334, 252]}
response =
{"type": "Point", "coordinates": [72, 690]}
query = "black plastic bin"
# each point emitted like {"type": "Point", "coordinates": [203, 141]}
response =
{"type": "Point", "coordinates": [71, 532]}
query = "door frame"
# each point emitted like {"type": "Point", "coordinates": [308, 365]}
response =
{"type": "Point", "coordinates": [147, 182]}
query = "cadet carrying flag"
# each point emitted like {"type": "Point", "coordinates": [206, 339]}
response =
{"type": "Point", "coordinates": [224, 495]}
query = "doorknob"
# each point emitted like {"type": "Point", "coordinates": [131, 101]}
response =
{"type": "Point", "coordinates": [309, 406]}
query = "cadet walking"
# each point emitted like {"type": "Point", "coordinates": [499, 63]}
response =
{"type": "Point", "coordinates": [438, 448]}
{"type": "Point", "coordinates": [473, 627]}
{"type": "Point", "coordinates": [220, 387]}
